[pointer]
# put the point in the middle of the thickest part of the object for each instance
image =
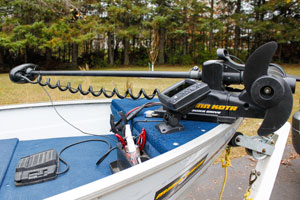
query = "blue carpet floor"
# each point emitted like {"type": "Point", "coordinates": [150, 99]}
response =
{"type": "Point", "coordinates": [83, 157]}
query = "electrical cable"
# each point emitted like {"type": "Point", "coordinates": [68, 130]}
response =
{"type": "Point", "coordinates": [133, 112]}
{"type": "Point", "coordinates": [232, 56]}
{"type": "Point", "coordinates": [139, 108]}
{"type": "Point", "coordinates": [103, 91]}
{"type": "Point", "coordinates": [62, 160]}
{"type": "Point", "coordinates": [130, 115]}
{"type": "Point", "coordinates": [86, 133]}
{"type": "Point", "coordinates": [145, 120]}
{"type": "Point", "coordinates": [83, 141]}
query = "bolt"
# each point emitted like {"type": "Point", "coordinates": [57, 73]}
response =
{"type": "Point", "coordinates": [238, 139]}
{"type": "Point", "coordinates": [195, 68]}
{"type": "Point", "coordinates": [258, 173]}
{"type": "Point", "coordinates": [264, 150]}
{"type": "Point", "coordinates": [267, 90]}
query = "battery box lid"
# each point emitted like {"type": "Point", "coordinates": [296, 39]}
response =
{"type": "Point", "coordinates": [36, 168]}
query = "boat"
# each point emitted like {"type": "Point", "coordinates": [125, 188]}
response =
{"type": "Point", "coordinates": [177, 135]}
{"type": "Point", "coordinates": [153, 175]}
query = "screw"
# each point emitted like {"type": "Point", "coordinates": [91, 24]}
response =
{"type": "Point", "coordinates": [238, 139]}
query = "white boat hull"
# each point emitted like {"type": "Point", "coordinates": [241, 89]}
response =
{"type": "Point", "coordinates": [162, 177]}
{"type": "Point", "coordinates": [40, 121]}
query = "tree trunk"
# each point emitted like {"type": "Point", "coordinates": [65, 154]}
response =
{"type": "Point", "coordinates": [64, 53]}
{"type": "Point", "coordinates": [184, 52]}
{"type": "Point", "coordinates": [1, 59]}
{"type": "Point", "coordinates": [90, 46]}
{"type": "Point", "coordinates": [226, 36]}
{"type": "Point", "coordinates": [280, 48]}
{"type": "Point", "coordinates": [59, 53]}
{"type": "Point", "coordinates": [133, 43]}
{"type": "Point", "coordinates": [110, 48]}
{"type": "Point", "coordinates": [210, 44]}
{"type": "Point", "coordinates": [69, 51]}
{"type": "Point", "coordinates": [116, 51]}
{"type": "Point", "coordinates": [152, 64]}
{"type": "Point", "coordinates": [259, 17]}
{"type": "Point", "coordinates": [26, 54]}
{"type": "Point", "coordinates": [126, 51]}
{"type": "Point", "coordinates": [248, 42]}
{"type": "Point", "coordinates": [237, 29]}
{"type": "Point", "coordinates": [75, 55]}
{"type": "Point", "coordinates": [203, 41]}
{"type": "Point", "coordinates": [161, 46]}
{"type": "Point", "coordinates": [48, 56]}
{"type": "Point", "coordinates": [193, 44]}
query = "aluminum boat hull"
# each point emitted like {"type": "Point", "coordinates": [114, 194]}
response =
{"type": "Point", "coordinates": [167, 176]}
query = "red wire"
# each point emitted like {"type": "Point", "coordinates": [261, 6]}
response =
{"type": "Point", "coordinates": [148, 104]}
{"type": "Point", "coordinates": [121, 140]}
{"type": "Point", "coordinates": [143, 137]}
{"type": "Point", "coordinates": [131, 111]}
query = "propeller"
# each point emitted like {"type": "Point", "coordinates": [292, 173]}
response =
{"type": "Point", "coordinates": [270, 92]}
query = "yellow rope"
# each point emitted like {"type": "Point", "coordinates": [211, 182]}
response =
{"type": "Point", "coordinates": [247, 194]}
{"type": "Point", "coordinates": [225, 164]}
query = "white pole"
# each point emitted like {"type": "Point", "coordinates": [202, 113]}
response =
{"type": "Point", "coordinates": [268, 167]}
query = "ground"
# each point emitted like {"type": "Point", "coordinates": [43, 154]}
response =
{"type": "Point", "coordinates": [286, 186]}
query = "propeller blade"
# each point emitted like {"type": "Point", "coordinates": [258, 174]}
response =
{"type": "Point", "coordinates": [276, 116]}
{"type": "Point", "coordinates": [257, 64]}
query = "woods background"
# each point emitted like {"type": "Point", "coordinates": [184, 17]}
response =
{"type": "Point", "coordinates": [65, 34]}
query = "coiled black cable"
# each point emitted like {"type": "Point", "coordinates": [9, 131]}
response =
{"type": "Point", "coordinates": [106, 93]}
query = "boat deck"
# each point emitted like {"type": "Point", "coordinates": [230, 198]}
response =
{"type": "Point", "coordinates": [158, 143]}
{"type": "Point", "coordinates": [83, 157]}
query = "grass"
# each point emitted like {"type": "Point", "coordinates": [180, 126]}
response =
{"type": "Point", "coordinates": [11, 93]}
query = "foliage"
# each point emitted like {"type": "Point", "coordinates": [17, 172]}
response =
{"type": "Point", "coordinates": [121, 31]}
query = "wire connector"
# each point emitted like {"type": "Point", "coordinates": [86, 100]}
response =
{"type": "Point", "coordinates": [149, 113]}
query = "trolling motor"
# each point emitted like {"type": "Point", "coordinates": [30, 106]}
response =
{"type": "Point", "coordinates": [267, 93]}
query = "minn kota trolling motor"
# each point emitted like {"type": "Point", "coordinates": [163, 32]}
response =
{"type": "Point", "coordinates": [267, 93]}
